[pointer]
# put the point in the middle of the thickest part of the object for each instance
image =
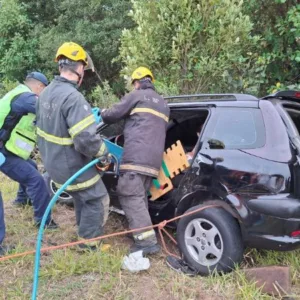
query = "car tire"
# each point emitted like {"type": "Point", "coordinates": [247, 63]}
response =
{"type": "Point", "coordinates": [64, 198]}
{"type": "Point", "coordinates": [210, 240]}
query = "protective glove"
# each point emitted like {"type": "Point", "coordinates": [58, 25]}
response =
{"type": "Point", "coordinates": [97, 114]}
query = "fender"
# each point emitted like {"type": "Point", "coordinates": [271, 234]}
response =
{"type": "Point", "coordinates": [200, 197]}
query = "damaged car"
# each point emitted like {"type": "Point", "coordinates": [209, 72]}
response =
{"type": "Point", "coordinates": [245, 162]}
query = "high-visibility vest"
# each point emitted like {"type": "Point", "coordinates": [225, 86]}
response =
{"type": "Point", "coordinates": [23, 136]}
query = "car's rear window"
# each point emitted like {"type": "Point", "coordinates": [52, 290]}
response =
{"type": "Point", "coordinates": [238, 128]}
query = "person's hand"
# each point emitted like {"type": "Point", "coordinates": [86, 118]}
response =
{"type": "Point", "coordinates": [97, 114]}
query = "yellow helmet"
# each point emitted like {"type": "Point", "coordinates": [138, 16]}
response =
{"type": "Point", "coordinates": [140, 73]}
{"type": "Point", "coordinates": [72, 51]}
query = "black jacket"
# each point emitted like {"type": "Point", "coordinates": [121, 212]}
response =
{"type": "Point", "coordinates": [146, 116]}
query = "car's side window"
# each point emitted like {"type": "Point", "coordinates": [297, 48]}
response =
{"type": "Point", "coordinates": [236, 128]}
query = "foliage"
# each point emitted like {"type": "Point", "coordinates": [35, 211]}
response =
{"type": "Point", "coordinates": [278, 22]}
{"type": "Point", "coordinates": [206, 45]}
{"type": "Point", "coordinates": [166, 89]}
{"type": "Point", "coordinates": [191, 45]}
{"type": "Point", "coordinates": [96, 25]}
{"type": "Point", "coordinates": [17, 46]}
{"type": "Point", "coordinates": [103, 97]}
{"type": "Point", "coordinates": [6, 86]}
{"type": "Point", "coordinates": [283, 87]}
{"type": "Point", "coordinates": [31, 31]}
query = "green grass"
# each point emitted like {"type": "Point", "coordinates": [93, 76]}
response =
{"type": "Point", "coordinates": [69, 274]}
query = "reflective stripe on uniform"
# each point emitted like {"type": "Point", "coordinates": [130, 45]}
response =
{"type": "Point", "coordinates": [144, 235]}
{"type": "Point", "coordinates": [23, 145]}
{"type": "Point", "coordinates": [66, 141]}
{"type": "Point", "coordinates": [81, 185]}
{"type": "Point", "coordinates": [77, 128]}
{"type": "Point", "coordinates": [102, 150]}
{"type": "Point", "coordinates": [139, 169]}
{"type": "Point", "coordinates": [150, 111]}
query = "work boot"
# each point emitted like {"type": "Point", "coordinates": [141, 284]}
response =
{"type": "Point", "coordinates": [152, 249]}
{"type": "Point", "coordinates": [6, 249]}
{"type": "Point", "coordinates": [130, 236]}
{"type": "Point", "coordinates": [51, 225]}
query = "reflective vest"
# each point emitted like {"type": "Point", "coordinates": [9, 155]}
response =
{"type": "Point", "coordinates": [22, 137]}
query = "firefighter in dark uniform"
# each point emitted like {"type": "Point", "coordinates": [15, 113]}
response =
{"type": "Point", "coordinates": [146, 117]}
{"type": "Point", "coordinates": [68, 141]}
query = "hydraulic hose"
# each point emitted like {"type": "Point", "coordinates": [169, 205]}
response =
{"type": "Point", "coordinates": [43, 222]}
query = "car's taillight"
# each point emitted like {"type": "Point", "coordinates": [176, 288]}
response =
{"type": "Point", "coordinates": [297, 95]}
{"type": "Point", "coordinates": [295, 233]}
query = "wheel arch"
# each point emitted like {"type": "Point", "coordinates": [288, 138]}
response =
{"type": "Point", "coordinates": [201, 197]}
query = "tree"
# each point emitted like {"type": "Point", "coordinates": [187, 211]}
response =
{"type": "Point", "coordinates": [198, 45]}
{"type": "Point", "coordinates": [17, 46]}
{"type": "Point", "coordinates": [97, 26]}
{"type": "Point", "coordinates": [31, 32]}
{"type": "Point", "coordinates": [278, 22]}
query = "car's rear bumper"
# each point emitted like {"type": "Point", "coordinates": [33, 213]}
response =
{"type": "Point", "coordinates": [270, 242]}
{"type": "Point", "coordinates": [273, 234]}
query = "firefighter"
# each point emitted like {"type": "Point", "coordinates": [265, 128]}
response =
{"type": "Point", "coordinates": [18, 139]}
{"type": "Point", "coordinates": [68, 141]}
{"type": "Point", "coordinates": [146, 117]}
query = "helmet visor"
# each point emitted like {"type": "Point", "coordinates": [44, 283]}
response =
{"type": "Point", "coordinates": [90, 64]}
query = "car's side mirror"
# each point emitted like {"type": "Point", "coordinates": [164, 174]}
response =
{"type": "Point", "coordinates": [215, 144]}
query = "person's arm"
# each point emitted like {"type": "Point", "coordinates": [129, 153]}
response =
{"type": "Point", "coordinates": [82, 126]}
{"type": "Point", "coordinates": [120, 110]}
{"type": "Point", "coordinates": [25, 103]}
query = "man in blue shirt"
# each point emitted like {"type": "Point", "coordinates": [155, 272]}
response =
{"type": "Point", "coordinates": [32, 185]}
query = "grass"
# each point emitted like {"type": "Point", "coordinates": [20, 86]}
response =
{"type": "Point", "coordinates": [69, 274]}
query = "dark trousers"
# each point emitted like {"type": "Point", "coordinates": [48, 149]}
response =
{"type": "Point", "coordinates": [2, 224]}
{"type": "Point", "coordinates": [90, 205]}
{"type": "Point", "coordinates": [32, 184]}
{"type": "Point", "coordinates": [133, 196]}
{"type": "Point", "coordinates": [22, 196]}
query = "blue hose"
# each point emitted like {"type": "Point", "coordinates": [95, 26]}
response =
{"type": "Point", "coordinates": [43, 222]}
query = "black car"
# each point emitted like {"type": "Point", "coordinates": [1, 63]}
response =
{"type": "Point", "coordinates": [246, 163]}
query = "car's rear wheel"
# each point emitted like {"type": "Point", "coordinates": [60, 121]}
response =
{"type": "Point", "coordinates": [210, 240]}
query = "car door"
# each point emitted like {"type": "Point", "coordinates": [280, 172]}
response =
{"type": "Point", "coordinates": [221, 166]}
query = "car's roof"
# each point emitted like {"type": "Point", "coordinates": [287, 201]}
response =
{"type": "Point", "coordinates": [198, 100]}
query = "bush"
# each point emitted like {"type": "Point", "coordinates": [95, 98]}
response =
{"type": "Point", "coordinates": [102, 97]}
{"type": "Point", "coordinates": [7, 85]}
{"type": "Point", "coordinates": [196, 46]}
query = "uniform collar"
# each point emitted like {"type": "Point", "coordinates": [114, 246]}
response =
{"type": "Point", "coordinates": [146, 85]}
{"type": "Point", "coordinates": [63, 79]}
